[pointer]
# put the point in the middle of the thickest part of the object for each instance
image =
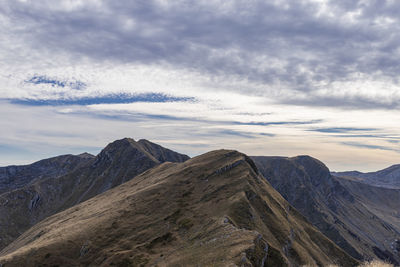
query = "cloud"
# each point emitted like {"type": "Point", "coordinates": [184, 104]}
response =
{"type": "Point", "coordinates": [277, 123]}
{"type": "Point", "coordinates": [206, 74]}
{"type": "Point", "coordinates": [242, 133]}
{"type": "Point", "coordinates": [387, 100]}
{"type": "Point", "coordinates": [107, 99]}
{"type": "Point", "coordinates": [279, 48]}
{"type": "Point", "coordinates": [132, 115]}
{"type": "Point", "coordinates": [368, 146]}
{"type": "Point", "coordinates": [342, 130]}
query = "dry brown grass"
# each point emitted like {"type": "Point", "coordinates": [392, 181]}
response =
{"type": "Point", "coordinates": [376, 263]}
{"type": "Point", "coordinates": [213, 210]}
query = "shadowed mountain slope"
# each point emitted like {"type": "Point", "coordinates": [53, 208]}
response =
{"type": "Point", "coordinates": [12, 177]}
{"type": "Point", "coordinates": [383, 202]}
{"type": "Point", "coordinates": [387, 178]}
{"type": "Point", "coordinates": [308, 185]}
{"type": "Point", "coordinates": [119, 162]}
{"type": "Point", "coordinates": [160, 153]}
{"type": "Point", "coordinates": [212, 210]}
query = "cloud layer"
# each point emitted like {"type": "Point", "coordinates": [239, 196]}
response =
{"type": "Point", "coordinates": [316, 71]}
{"type": "Point", "coordinates": [335, 53]}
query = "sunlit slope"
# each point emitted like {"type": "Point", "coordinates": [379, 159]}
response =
{"type": "Point", "coordinates": [117, 163]}
{"type": "Point", "coordinates": [215, 209]}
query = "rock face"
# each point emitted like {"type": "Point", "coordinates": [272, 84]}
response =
{"type": "Point", "coordinates": [212, 210]}
{"type": "Point", "coordinates": [387, 178]}
{"type": "Point", "coordinates": [12, 177]}
{"type": "Point", "coordinates": [48, 194]}
{"type": "Point", "coordinates": [383, 202]}
{"type": "Point", "coordinates": [307, 184]}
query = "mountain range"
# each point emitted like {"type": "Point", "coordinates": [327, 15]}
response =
{"type": "Point", "coordinates": [140, 204]}
{"type": "Point", "coordinates": [387, 178]}
{"type": "Point", "coordinates": [339, 208]}
{"type": "Point", "coordinates": [70, 182]}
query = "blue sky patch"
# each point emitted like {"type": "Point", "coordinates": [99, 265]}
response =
{"type": "Point", "coordinates": [77, 85]}
{"type": "Point", "coordinates": [107, 99]}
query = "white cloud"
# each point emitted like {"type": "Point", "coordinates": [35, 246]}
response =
{"type": "Point", "coordinates": [334, 63]}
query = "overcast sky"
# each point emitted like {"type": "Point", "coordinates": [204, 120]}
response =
{"type": "Point", "coordinates": [280, 77]}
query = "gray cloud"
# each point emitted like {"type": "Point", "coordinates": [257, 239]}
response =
{"type": "Point", "coordinates": [346, 101]}
{"type": "Point", "coordinates": [292, 45]}
{"type": "Point", "coordinates": [342, 130]}
{"type": "Point", "coordinates": [362, 145]}
{"type": "Point", "coordinates": [141, 116]}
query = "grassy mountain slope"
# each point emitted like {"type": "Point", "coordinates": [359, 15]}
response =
{"type": "Point", "coordinates": [213, 210]}
{"type": "Point", "coordinates": [119, 162]}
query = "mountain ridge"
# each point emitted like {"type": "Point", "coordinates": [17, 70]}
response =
{"type": "Point", "coordinates": [117, 163]}
{"type": "Point", "coordinates": [212, 209]}
{"type": "Point", "coordinates": [14, 176]}
{"type": "Point", "coordinates": [308, 185]}
{"type": "Point", "coordinates": [387, 178]}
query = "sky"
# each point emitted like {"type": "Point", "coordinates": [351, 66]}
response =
{"type": "Point", "coordinates": [274, 78]}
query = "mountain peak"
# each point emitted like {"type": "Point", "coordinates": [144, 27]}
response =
{"type": "Point", "coordinates": [86, 155]}
{"type": "Point", "coordinates": [55, 184]}
{"type": "Point", "coordinates": [121, 142]}
{"type": "Point", "coordinates": [211, 210]}
{"type": "Point", "coordinates": [315, 168]}
{"type": "Point", "coordinates": [116, 149]}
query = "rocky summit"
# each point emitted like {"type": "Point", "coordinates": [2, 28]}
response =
{"type": "Point", "coordinates": [45, 191]}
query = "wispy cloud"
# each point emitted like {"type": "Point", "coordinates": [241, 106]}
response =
{"type": "Point", "coordinates": [107, 99]}
{"type": "Point", "coordinates": [277, 123]}
{"type": "Point", "coordinates": [127, 115]}
{"type": "Point", "coordinates": [342, 130]}
{"type": "Point", "coordinates": [368, 146]}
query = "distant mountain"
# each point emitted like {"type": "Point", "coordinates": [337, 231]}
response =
{"type": "Point", "coordinates": [388, 178]}
{"type": "Point", "coordinates": [50, 193]}
{"type": "Point", "coordinates": [12, 177]}
{"type": "Point", "coordinates": [212, 210]}
{"type": "Point", "coordinates": [383, 202]}
{"type": "Point", "coordinates": [307, 184]}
